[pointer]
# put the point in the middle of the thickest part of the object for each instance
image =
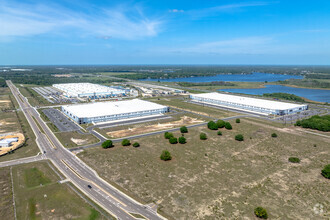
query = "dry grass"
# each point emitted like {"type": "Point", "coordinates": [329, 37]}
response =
{"type": "Point", "coordinates": [221, 178]}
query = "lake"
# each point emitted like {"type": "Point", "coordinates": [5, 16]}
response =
{"type": "Point", "coordinates": [254, 77]}
{"type": "Point", "coordinates": [319, 95]}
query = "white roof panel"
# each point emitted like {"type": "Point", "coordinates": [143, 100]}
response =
{"type": "Point", "coordinates": [261, 103]}
{"type": "Point", "coordinates": [98, 109]}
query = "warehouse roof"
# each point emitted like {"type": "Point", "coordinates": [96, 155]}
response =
{"type": "Point", "coordinates": [86, 88]}
{"type": "Point", "coordinates": [261, 103]}
{"type": "Point", "coordinates": [98, 109]}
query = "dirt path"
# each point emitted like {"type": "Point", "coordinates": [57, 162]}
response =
{"type": "Point", "coordinates": [184, 121]}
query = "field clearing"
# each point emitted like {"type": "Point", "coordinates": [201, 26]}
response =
{"type": "Point", "coordinates": [184, 121]}
{"type": "Point", "coordinates": [221, 178]}
{"type": "Point", "coordinates": [74, 139]}
{"type": "Point", "coordinates": [38, 195]}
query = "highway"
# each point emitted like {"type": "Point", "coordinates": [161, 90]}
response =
{"type": "Point", "coordinates": [105, 195]}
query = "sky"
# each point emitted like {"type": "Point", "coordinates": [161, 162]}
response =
{"type": "Point", "coordinates": [64, 32]}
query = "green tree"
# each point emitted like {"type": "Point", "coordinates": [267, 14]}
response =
{"type": "Point", "coordinates": [173, 140]}
{"type": "Point", "coordinates": [125, 142]}
{"type": "Point", "coordinates": [239, 137]}
{"type": "Point", "coordinates": [184, 129]}
{"type": "Point", "coordinates": [294, 160]}
{"type": "Point", "coordinates": [168, 135]}
{"type": "Point", "coordinates": [219, 133]}
{"type": "Point", "coordinates": [136, 144]}
{"type": "Point", "coordinates": [261, 212]}
{"type": "Point", "coordinates": [203, 136]}
{"type": "Point", "coordinates": [326, 171]}
{"type": "Point", "coordinates": [166, 155]}
{"type": "Point", "coordinates": [212, 125]}
{"type": "Point", "coordinates": [221, 123]}
{"type": "Point", "coordinates": [238, 120]}
{"type": "Point", "coordinates": [182, 140]}
{"type": "Point", "coordinates": [274, 135]}
{"type": "Point", "coordinates": [228, 126]}
{"type": "Point", "coordinates": [107, 144]}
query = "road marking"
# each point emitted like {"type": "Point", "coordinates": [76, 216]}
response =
{"type": "Point", "coordinates": [90, 181]}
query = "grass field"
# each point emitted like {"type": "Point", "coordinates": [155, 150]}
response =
{"type": "Point", "coordinates": [16, 122]}
{"type": "Point", "coordinates": [74, 139]}
{"type": "Point", "coordinates": [38, 195]}
{"type": "Point", "coordinates": [6, 196]}
{"type": "Point", "coordinates": [221, 178]}
{"type": "Point", "coordinates": [34, 98]}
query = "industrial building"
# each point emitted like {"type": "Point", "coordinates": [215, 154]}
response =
{"type": "Point", "coordinates": [90, 90]}
{"type": "Point", "coordinates": [6, 142]}
{"type": "Point", "coordinates": [109, 111]}
{"type": "Point", "coordinates": [255, 105]}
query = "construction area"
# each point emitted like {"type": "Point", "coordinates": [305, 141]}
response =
{"type": "Point", "coordinates": [141, 129]}
{"type": "Point", "coordinates": [11, 142]}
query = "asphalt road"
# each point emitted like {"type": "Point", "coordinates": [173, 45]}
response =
{"type": "Point", "coordinates": [105, 195]}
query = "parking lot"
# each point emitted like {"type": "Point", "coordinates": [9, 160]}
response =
{"type": "Point", "coordinates": [61, 121]}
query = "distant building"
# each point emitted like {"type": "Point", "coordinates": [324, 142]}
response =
{"type": "Point", "coordinates": [90, 90]}
{"type": "Point", "coordinates": [7, 142]}
{"type": "Point", "coordinates": [255, 105]}
{"type": "Point", "coordinates": [109, 111]}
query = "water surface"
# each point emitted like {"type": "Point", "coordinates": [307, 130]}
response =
{"type": "Point", "coordinates": [254, 77]}
{"type": "Point", "coordinates": [319, 95]}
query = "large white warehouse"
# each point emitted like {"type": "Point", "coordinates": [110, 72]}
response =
{"type": "Point", "coordinates": [109, 111]}
{"type": "Point", "coordinates": [260, 106]}
{"type": "Point", "coordinates": [89, 90]}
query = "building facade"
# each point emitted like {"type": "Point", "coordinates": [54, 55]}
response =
{"type": "Point", "coordinates": [110, 111]}
{"type": "Point", "coordinates": [260, 106]}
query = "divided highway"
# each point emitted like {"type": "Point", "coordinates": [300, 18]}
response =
{"type": "Point", "coordinates": [101, 192]}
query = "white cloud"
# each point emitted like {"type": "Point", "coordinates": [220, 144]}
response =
{"type": "Point", "coordinates": [176, 10]}
{"type": "Point", "coordinates": [17, 20]}
{"type": "Point", "coordinates": [248, 45]}
{"type": "Point", "coordinates": [205, 12]}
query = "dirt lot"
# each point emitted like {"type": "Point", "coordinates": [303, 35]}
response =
{"type": "Point", "coordinates": [14, 145]}
{"type": "Point", "coordinates": [74, 139]}
{"type": "Point", "coordinates": [221, 178]}
{"type": "Point", "coordinates": [184, 121]}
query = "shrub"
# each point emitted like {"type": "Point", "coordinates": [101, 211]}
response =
{"type": "Point", "coordinates": [238, 120]}
{"type": "Point", "coordinates": [184, 129]}
{"type": "Point", "coordinates": [326, 171]}
{"type": "Point", "coordinates": [228, 126]}
{"type": "Point", "coordinates": [125, 142]}
{"type": "Point", "coordinates": [136, 144]}
{"type": "Point", "coordinates": [219, 133]}
{"type": "Point", "coordinates": [317, 122]}
{"type": "Point", "coordinates": [239, 137]}
{"type": "Point", "coordinates": [261, 212]}
{"type": "Point", "coordinates": [166, 155]}
{"type": "Point", "coordinates": [182, 140]}
{"type": "Point", "coordinates": [203, 136]}
{"type": "Point", "coordinates": [212, 125]}
{"type": "Point", "coordinates": [173, 140]}
{"type": "Point", "coordinates": [274, 135]}
{"type": "Point", "coordinates": [107, 144]}
{"type": "Point", "coordinates": [294, 160]}
{"type": "Point", "coordinates": [168, 135]}
{"type": "Point", "coordinates": [221, 123]}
